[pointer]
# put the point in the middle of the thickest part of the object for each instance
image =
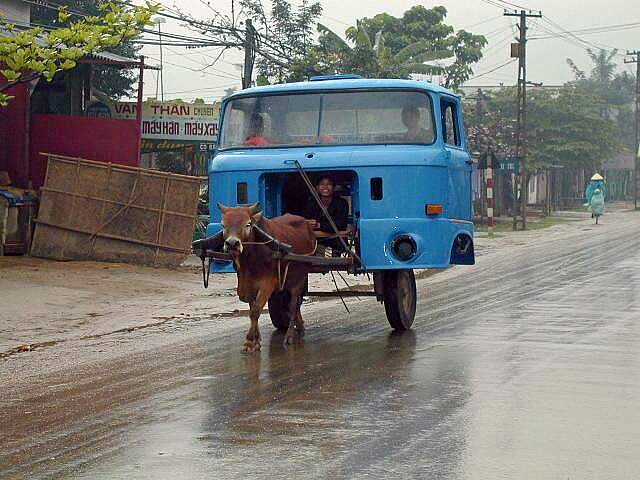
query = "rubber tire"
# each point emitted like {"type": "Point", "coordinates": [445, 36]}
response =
{"type": "Point", "coordinates": [279, 310]}
{"type": "Point", "coordinates": [399, 296]}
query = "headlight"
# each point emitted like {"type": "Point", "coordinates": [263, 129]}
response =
{"type": "Point", "coordinates": [404, 247]}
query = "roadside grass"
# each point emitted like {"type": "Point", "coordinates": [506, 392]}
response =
{"type": "Point", "coordinates": [533, 223]}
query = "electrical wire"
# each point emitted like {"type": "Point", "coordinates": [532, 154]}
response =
{"type": "Point", "coordinates": [203, 72]}
{"type": "Point", "coordinates": [594, 30]}
{"type": "Point", "coordinates": [493, 69]}
{"type": "Point", "coordinates": [482, 22]}
{"type": "Point", "coordinates": [553, 28]}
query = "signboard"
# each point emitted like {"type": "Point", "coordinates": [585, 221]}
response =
{"type": "Point", "coordinates": [173, 121]}
{"type": "Point", "coordinates": [97, 109]}
{"type": "Point", "coordinates": [149, 145]}
{"type": "Point", "coordinates": [510, 164]}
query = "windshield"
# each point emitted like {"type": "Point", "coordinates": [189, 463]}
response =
{"type": "Point", "coordinates": [344, 118]}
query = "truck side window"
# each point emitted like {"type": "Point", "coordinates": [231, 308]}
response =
{"type": "Point", "coordinates": [450, 123]}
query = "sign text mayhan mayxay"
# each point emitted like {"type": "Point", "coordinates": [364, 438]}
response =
{"type": "Point", "coordinates": [173, 121]}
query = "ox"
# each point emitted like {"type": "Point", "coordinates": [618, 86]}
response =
{"type": "Point", "coordinates": [260, 274]}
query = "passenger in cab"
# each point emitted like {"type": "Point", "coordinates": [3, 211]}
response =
{"type": "Point", "coordinates": [337, 207]}
{"type": "Point", "coordinates": [255, 132]}
{"type": "Point", "coordinates": [411, 120]}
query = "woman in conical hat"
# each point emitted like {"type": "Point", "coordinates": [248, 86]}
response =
{"type": "Point", "coordinates": [597, 181]}
{"type": "Point", "coordinates": [596, 204]}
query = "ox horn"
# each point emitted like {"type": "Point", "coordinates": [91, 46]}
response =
{"type": "Point", "coordinates": [223, 208]}
{"type": "Point", "coordinates": [255, 208]}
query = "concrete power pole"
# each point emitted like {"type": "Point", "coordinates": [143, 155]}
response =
{"type": "Point", "coordinates": [521, 132]}
{"type": "Point", "coordinates": [249, 55]}
{"type": "Point", "coordinates": [636, 153]}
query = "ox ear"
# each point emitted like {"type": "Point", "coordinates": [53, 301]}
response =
{"type": "Point", "coordinates": [222, 208]}
{"type": "Point", "coordinates": [255, 208]}
{"type": "Point", "coordinates": [257, 218]}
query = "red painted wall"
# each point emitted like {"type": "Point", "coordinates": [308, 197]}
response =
{"type": "Point", "coordinates": [14, 131]}
{"type": "Point", "coordinates": [100, 139]}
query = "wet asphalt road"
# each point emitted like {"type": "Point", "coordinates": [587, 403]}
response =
{"type": "Point", "coordinates": [526, 367]}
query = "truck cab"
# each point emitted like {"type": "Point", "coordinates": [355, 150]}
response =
{"type": "Point", "coordinates": [396, 149]}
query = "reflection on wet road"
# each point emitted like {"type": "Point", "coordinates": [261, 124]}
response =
{"type": "Point", "coordinates": [527, 367]}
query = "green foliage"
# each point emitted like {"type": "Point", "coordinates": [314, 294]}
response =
{"type": "Point", "coordinates": [289, 32]}
{"type": "Point", "coordinates": [35, 52]}
{"type": "Point", "coordinates": [114, 82]}
{"type": "Point", "coordinates": [390, 47]}
{"type": "Point", "coordinates": [615, 91]}
{"type": "Point", "coordinates": [567, 128]}
{"type": "Point", "coordinates": [564, 127]}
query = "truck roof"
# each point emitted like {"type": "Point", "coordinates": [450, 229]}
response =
{"type": "Point", "coordinates": [325, 83]}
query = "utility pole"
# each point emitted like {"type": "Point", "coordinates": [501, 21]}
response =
{"type": "Point", "coordinates": [249, 54]}
{"type": "Point", "coordinates": [159, 21]}
{"type": "Point", "coordinates": [521, 132]}
{"type": "Point", "coordinates": [479, 145]}
{"type": "Point", "coordinates": [636, 154]}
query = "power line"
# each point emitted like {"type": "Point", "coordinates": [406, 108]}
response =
{"type": "Point", "coordinates": [203, 67]}
{"type": "Point", "coordinates": [564, 33]}
{"type": "Point", "coordinates": [207, 89]}
{"type": "Point", "coordinates": [504, 4]}
{"type": "Point", "coordinates": [204, 72]}
{"type": "Point", "coordinates": [595, 30]}
{"type": "Point", "coordinates": [482, 22]}
{"type": "Point", "coordinates": [493, 69]}
{"type": "Point", "coordinates": [335, 20]}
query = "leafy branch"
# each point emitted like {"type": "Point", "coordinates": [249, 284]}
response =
{"type": "Point", "coordinates": [33, 53]}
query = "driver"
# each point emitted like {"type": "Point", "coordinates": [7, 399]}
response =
{"type": "Point", "coordinates": [411, 120]}
{"type": "Point", "coordinates": [255, 137]}
{"type": "Point", "coordinates": [337, 207]}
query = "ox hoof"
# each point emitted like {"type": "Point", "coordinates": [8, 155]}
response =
{"type": "Point", "coordinates": [293, 336]}
{"type": "Point", "coordinates": [251, 347]}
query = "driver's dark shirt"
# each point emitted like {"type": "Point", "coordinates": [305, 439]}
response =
{"type": "Point", "coordinates": [338, 209]}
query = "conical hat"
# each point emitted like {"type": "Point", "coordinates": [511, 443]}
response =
{"type": "Point", "coordinates": [597, 176]}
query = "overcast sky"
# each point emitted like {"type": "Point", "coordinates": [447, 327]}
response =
{"type": "Point", "coordinates": [546, 57]}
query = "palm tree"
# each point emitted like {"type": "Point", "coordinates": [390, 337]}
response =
{"type": "Point", "coordinates": [601, 78]}
{"type": "Point", "coordinates": [375, 59]}
{"type": "Point", "coordinates": [603, 69]}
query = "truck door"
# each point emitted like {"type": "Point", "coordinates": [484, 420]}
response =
{"type": "Point", "coordinates": [459, 188]}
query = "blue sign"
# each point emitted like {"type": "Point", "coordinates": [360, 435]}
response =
{"type": "Point", "coordinates": [510, 164]}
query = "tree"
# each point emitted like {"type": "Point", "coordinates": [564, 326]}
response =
{"type": "Point", "coordinates": [565, 127]}
{"type": "Point", "coordinates": [27, 55]}
{"type": "Point", "coordinates": [282, 33]}
{"type": "Point", "coordinates": [287, 30]}
{"type": "Point", "coordinates": [114, 82]}
{"type": "Point", "coordinates": [615, 91]}
{"type": "Point", "coordinates": [387, 46]}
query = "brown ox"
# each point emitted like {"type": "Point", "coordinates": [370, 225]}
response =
{"type": "Point", "coordinates": [260, 274]}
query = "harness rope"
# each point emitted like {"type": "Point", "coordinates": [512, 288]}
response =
{"type": "Point", "coordinates": [282, 278]}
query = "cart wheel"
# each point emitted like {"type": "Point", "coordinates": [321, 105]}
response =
{"type": "Point", "coordinates": [400, 298]}
{"type": "Point", "coordinates": [279, 310]}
